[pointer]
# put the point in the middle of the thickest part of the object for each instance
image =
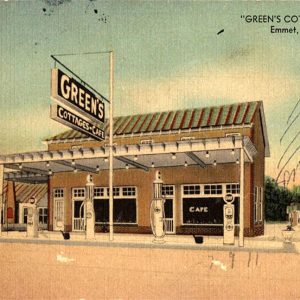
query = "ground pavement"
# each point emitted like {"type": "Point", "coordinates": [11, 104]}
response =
{"type": "Point", "coordinates": [132, 267]}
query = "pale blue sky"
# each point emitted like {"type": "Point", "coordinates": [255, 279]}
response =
{"type": "Point", "coordinates": [168, 56]}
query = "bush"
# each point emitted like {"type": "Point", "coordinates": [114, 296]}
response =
{"type": "Point", "coordinates": [277, 199]}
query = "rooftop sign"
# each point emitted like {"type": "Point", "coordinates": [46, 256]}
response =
{"type": "Point", "coordinates": [70, 93]}
{"type": "Point", "coordinates": [68, 118]}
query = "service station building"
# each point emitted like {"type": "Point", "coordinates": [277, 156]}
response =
{"type": "Point", "coordinates": [202, 154]}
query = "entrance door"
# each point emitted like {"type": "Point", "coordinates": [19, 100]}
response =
{"type": "Point", "coordinates": [58, 222]}
{"type": "Point", "coordinates": [169, 215]}
{"type": "Point", "coordinates": [168, 192]}
{"type": "Point", "coordinates": [78, 215]}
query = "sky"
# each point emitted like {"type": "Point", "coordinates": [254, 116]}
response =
{"type": "Point", "coordinates": [168, 55]}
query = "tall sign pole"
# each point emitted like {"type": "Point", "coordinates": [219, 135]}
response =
{"type": "Point", "coordinates": [111, 166]}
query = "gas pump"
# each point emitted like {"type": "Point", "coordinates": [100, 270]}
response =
{"type": "Point", "coordinates": [32, 218]}
{"type": "Point", "coordinates": [157, 215]}
{"type": "Point", "coordinates": [90, 213]}
{"type": "Point", "coordinates": [228, 212]}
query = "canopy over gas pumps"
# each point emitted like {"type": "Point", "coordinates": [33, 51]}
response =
{"type": "Point", "coordinates": [35, 167]}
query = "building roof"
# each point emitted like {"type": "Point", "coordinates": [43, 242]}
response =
{"type": "Point", "coordinates": [238, 114]}
{"type": "Point", "coordinates": [25, 191]}
{"type": "Point", "coordinates": [187, 119]}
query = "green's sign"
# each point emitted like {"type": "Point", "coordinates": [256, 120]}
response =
{"type": "Point", "coordinates": [70, 93]}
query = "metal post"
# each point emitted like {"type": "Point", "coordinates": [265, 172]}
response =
{"type": "Point", "coordinates": [242, 182]}
{"type": "Point", "coordinates": [1, 195]}
{"type": "Point", "coordinates": [111, 208]}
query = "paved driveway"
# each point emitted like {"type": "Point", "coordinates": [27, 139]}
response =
{"type": "Point", "coordinates": [41, 271]}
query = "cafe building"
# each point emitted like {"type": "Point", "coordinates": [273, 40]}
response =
{"type": "Point", "coordinates": [202, 154]}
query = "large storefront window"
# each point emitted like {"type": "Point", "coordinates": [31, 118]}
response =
{"type": "Point", "coordinates": [206, 209]}
{"type": "Point", "coordinates": [125, 207]}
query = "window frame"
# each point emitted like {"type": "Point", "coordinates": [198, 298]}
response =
{"type": "Point", "coordinates": [258, 204]}
{"type": "Point", "coordinates": [202, 195]}
{"type": "Point", "coordinates": [120, 196]}
{"type": "Point", "coordinates": [43, 208]}
{"type": "Point", "coordinates": [78, 194]}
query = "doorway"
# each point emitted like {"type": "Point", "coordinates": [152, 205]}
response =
{"type": "Point", "coordinates": [168, 192]}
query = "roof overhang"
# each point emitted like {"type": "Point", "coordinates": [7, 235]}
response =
{"type": "Point", "coordinates": [38, 166]}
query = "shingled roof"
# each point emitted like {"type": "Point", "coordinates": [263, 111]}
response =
{"type": "Point", "coordinates": [216, 116]}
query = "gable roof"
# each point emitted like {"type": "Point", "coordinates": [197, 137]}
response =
{"type": "Point", "coordinates": [238, 114]}
{"type": "Point", "coordinates": [225, 115]}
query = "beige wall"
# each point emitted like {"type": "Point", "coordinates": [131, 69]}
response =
{"type": "Point", "coordinates": [144, 182]}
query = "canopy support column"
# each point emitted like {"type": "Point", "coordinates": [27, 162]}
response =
{"type": "Point", "coordinates": [111, 166]}
{"type": "Point", "coordinates": [242, 182]}
{"type": "Point", "coordinates": [1, 195]}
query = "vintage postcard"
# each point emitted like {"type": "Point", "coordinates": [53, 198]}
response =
{"type": "Point", "coordinates": [149, 149]}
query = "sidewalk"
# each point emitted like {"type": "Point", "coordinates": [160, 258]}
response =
{"type": "Point", "coordinates": [272, 241]}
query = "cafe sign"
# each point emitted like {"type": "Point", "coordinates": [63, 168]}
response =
{"type": "Point", "coordinates": [68, 118]}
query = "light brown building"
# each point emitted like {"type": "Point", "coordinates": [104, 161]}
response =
{"type": "Point", "coordinates": [203, 154]}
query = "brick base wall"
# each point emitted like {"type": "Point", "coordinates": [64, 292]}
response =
{"type": "Point", "coordinates": [125, 229]}
{"type": "Point", "coordinates": [256, 231]}
{"type": "Point", "coordinates": [68, 228]}
{"type": "Point", "coordinates": [218, 230]}
{"type": "Point", "coordinates": [180, 230]}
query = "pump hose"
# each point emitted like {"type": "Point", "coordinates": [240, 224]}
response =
{"type": "Point", "coordinates": [81, 219]}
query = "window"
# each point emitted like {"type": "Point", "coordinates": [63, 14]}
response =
{"type": "Point", "coordinates": [128, 191]}
{"type": "Point", "coordinates": [213, 189]}
{"type": "Point", "coordinates": [79, 192]}
{"type": "Point", "coordinates": [202, 204]}
{"type": "Point", "coordinates": [58, 193]}
{"type": "Point", "coordinates": [232, 188]}
{"type": "Point", "coordinates": [125, 205]}
{"type": "Point", "coordinates": [258, 204]}
{"type": "Point", "coordinates": [116, 191]}
{"type": "Point", "coordinates": [125, 210]}
{"type": "Point", "coordinates": [191, 189]}
{"type": "Point", "coordinates": [101, 207]}
{"type": "Point", "coordinates": [25, 215]}
{"type": "Point", "coordinates": [98, 192]}
{"type": "Point", "coordinates": [43, 215]}
{"type": "Point", "coordinates": [168, 190]}
{"type": "Point", "coordinates": [206, 210]}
